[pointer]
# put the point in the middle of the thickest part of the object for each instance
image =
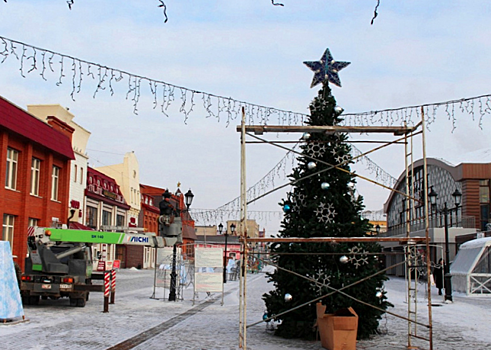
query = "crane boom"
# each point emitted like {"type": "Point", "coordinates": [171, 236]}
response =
{"type": "Point", "coordinates": [149, 239]}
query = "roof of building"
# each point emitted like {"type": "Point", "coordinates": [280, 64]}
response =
{"type": "Point", "coordinates": [188, 232]}
{"type": "Point", "coordinates": [17, 120]}
{"type": "Point", "coordinates": [151, 190]}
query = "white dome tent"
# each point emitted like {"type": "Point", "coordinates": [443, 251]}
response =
{"type": "Point", "coordinates": [471, 269]}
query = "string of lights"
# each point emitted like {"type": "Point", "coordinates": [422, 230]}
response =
{"type": "Point", "coordinates": [373, 168]}
{"type": "Point", "coordinates": [476, 107]}
{"type": "Point", "coordinates": [231, 210]}
{"type": "Point", "coordinates": [50, 63]}
{"type": "Point", "coordinates": [206, 217]}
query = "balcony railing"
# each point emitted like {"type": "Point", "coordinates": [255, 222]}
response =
{"type": "Point", "coordinates": [435, 221]}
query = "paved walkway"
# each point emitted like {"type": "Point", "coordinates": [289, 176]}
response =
{"type": "Point", "coordinates": [140, 323]}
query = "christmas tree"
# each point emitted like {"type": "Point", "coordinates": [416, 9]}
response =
{"type": "Point", "coordinates": [323, 203]}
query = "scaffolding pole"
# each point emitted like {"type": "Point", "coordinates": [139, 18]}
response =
{"type": "Point", "coordinates": [427, 228]}
{"type": "Point", "coordinates": [243, 236]}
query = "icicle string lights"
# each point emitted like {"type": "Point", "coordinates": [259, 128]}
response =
{"type": "Point", "coordinates": [31, 58]}
{"type": "Point", "coordinates": [480, 105]}
{"type": "Point", "coordinates": [231, 210]}
{"type": "Point", "coordinates": [44, 61]}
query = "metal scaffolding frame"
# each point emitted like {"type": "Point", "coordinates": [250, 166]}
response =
{"type": "Point", "coordinates": [410, 243]}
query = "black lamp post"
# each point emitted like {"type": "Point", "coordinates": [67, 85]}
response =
{"type": "Point", "coordinates": [173, 276]}
{"type": "Point", "coordinates": [446, 266]}
{"type": "Point", "coordinates": [220, 229]}
{"type": "Point", "coordinates": [457, 198]}
{"type": "Point", "coordinates": [377, 229]}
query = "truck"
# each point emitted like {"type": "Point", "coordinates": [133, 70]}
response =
{"type": "Point", "coordinates": [59, 261]}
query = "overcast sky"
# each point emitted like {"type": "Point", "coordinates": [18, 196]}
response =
{"type": "Point", "coordinates": [416, 52]}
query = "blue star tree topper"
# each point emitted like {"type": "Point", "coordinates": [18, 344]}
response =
{"type": "Point", "coordinates": [326, 69]}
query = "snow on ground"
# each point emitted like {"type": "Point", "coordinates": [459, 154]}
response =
{"type": "Point", "coordinates": [209, 325]}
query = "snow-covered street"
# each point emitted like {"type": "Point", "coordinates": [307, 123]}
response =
{"type": "Point", "coordinates": [137, 321]}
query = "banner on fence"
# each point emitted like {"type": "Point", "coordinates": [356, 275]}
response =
{"type": "Point", "coordinates": [208, 270]}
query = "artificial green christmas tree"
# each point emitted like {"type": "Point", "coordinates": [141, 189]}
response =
{"type": "Point", "coordinates": [323, 203]}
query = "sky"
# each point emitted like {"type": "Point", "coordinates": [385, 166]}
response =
{"type": "Point", "coordinates": [414, 53]}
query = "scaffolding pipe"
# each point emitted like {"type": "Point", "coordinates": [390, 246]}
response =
{"type": "Point", "coordinates": [336, 239]}
{"type": "Point", "coordinates": [243, 235]}
{"type": "Point", "coordinates": [427, 227]}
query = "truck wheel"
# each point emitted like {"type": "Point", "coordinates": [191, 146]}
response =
{"type": "Point", "coordinates": [87, 297]}
{"type": "Point", "coordinates": [33, 300]}
{"type": "Point", "coordinates": [73, 301]}
{"type": "Point", "coordinates": [25, 300]}
{"type": "Point", "coordinates": [81, 302]}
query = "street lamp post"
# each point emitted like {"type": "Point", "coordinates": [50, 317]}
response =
{"type": "Point", "coordinates": [446, 266]}
{"type": "Point", "coordinates": [220, 229]}
{"type": "Point", "coordinates": [457, 197]}
{"type": "Point", "coordinates": [173, 276]}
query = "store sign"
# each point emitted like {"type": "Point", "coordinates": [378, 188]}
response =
{"type": "Point", "coordinates": [109, 194]}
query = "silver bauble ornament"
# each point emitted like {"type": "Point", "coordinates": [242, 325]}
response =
{"type": "Point", "coordinates": [306, 136]}
{"type": "Point", "coordinates": [311, 165]}
{"type": "Point", "coordinates": [288, 297]}
{"type": "Point", "coordinates": [344, 259]}
{"type": "Point", "coordinates": [338, 110]}
{"type": "Point", "coordinates": [324, 185]}
{"type": "Point", "coordinates": [379, 294]}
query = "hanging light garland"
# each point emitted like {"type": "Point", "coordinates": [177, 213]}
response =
{"type": "Point", "coordinates": [47, 63]}
{"type": "Point", "coordinates": [64, 67]}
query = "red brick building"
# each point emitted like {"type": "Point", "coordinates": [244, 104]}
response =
{"type": "Point", "coordinates": [35, 172]}
{"type": "Point", "coordinates": [177, 200]}
{"type": "Point", "coordinates": [149, 213]}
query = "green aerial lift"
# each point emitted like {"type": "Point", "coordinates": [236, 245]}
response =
{"type": "Point", "coordinates": [59, 263]}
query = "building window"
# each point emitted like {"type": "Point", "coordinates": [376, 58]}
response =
{"type": "Point", "coordinates": [106, 217]}
{"type": "Point", "coordinates": [35, 171]}
{"type": "Point", "coordinates": [8, 229]}
{"type": "Point", "coordinates": [91, 217]}
{"type": "Point", "coordinates": [55, 183]}
{"type": "Point", "coordinates": [75, 173]}
{"type": "Point", "coordinates": [484, 191]}
{"type": "Point", "coordinates": [119, 220]}
{"type": "Point", "coordinates": [81, 175]}
{"type": "Point", "coordinates": [11, 172]}
{"type": "Point", "coordinates": [33, 222]}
